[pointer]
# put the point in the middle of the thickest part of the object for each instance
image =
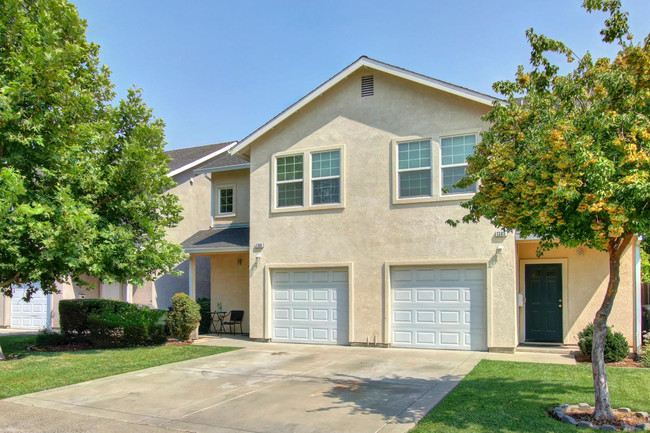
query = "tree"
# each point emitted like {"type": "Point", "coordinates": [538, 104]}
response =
{"type": "Point", "coordinates": [569, 162]}
{"type": "Point", "coordinates": [82, 182]}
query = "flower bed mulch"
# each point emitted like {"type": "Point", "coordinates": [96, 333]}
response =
{"type": "Point", "coordinates": [622, 418]}
{"type": "Point", "coordinates": [626, 363]}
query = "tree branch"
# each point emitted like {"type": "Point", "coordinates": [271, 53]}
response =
{"type": "Point", "coordinates": [8, 282]}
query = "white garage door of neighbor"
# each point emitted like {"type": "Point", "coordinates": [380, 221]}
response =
{"type": "Point", "coordinates": [310, 306]}
{"type": "Point", "coordinates": [439, 307]}
{"type": "Point", "coordinates": [28, 315]}
{"type": "Point", "coordinates": [111, 291]}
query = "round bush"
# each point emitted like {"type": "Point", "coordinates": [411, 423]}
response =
{"type": "Point", "coordinates": [616, 347]}
{"type": "Point", "coordinates": [184, 317]}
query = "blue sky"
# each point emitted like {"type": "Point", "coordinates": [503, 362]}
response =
{"type": "Point", "coordinates": [217, 70]}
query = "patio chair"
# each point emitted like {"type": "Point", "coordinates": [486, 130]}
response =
{"type": "Point", "coordinates": [236, 317]}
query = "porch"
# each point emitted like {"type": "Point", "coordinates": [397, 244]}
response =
{"type": "Point", "coordinates": [227, 251]}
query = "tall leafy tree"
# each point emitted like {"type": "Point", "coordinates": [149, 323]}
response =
{"type": "Point", "coordinates": [567, 157]}
{"type": "Point", "coordinates": [82, 182]}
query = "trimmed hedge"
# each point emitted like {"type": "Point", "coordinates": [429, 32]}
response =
{"type": "Point", "coordinates": [206, 316]}
{"type": "Point", "coordinates": [109, 323]}
{"type": "Point", "coordinates": [616, 347]}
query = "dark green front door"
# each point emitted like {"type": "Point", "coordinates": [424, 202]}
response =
{"type": "Point", "coordinates": [544, 303]}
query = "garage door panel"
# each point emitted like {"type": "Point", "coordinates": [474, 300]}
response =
{"type": "Point", "coordinates": [449, 295]}
{"type": "Point", "coordinates": [280, 295]}
{"type": "Point", "coordinates": [308, 311]}
{"type": "Point", "coordinates": [449, 275]}
{"type": "Point", "coordinates": [318, 314]}
{"type": "Point", "coordinates": [425, 316]}
{"type": "Point", "coordinates": [402, 295]}
{"type": "Point", "coordinates": [424, 295]}
{"type": "Point", "coordinates": [402, 316]}
{"type": "Point", "coordinates": [426, 337]}
{"type": "Point", "coordinates": [439, 307]}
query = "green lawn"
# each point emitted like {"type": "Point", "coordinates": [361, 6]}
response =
{"type": "Point", "coordinates": [514, 397]}
{"type": "Point", "coordinates": [39, 371]}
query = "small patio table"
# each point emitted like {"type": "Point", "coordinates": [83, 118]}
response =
{"type": "Point", "coordinates": [218, 317]}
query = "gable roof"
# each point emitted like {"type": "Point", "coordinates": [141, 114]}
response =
{"type": "Point", "coordinates": [361, 62]}
{"type": "Point", "coordinates": [189, 157]}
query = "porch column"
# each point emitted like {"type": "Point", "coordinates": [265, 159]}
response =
{"type": "Point", "coordinates": [192, 276]}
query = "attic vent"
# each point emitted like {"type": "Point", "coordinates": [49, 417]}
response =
{"type": "Point", "coordinates": [367, 86]}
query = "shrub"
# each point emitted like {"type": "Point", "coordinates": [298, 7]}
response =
{"type": "Point", "coordinates": [184, 317]}
{"type": "Point", "coordinates": [50, 338]}
{"type": "Point", "coordinates": [206, 316]}
{"type": "Point", "coordinates": [616, 347]}
{"type": "Point", "coordinates": [108, 323]}
{"type": "Point", "coordinates": [74, 314]}
{"type": "Point", "coordinates": [645, 350]}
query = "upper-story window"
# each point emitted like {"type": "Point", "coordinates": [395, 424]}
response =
{"type": "Point", "coordinates": [309, 180]}
{"type": "Point", "coordinates": [289, 171]}
{"type": "Point", "coordinates": [326, 177]}
{"type": "Point", "coordinates": [414, 168]}
{"type": "Point", "coordinates": [426, 169]}
{"type": "Point", "coordinates": [226, 200]}
{"type": "Point", "coordinates": [454, 152]}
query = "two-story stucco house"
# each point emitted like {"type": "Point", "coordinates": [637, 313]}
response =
{"type": "Point", "coordinates": [334, 231]}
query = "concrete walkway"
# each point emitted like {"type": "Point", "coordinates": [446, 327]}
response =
{"type": "Point", "coordinates": [265, 387]}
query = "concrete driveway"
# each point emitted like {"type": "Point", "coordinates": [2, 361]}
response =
{"type": "Point", "coordinates": [273, 388]}
{"type": "Point", "coordinates": [269, 387]}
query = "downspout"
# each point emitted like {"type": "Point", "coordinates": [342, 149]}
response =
{"type": "Point", "coordinates": [48, 319]}
{"type": "Point", "coordinates": [638, 340]}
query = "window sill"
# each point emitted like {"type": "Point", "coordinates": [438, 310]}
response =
{"type": "Point", "coordinates": [225, 215]}
{"type": "Point", "coordinates": [436, 199]}
{"type": "Point", "coordinates": [311, 208]}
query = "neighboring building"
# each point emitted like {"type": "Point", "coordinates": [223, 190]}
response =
{"type": "Point", "coordinates": [350, 189]}
{"type": "Point", "coordinates": [193, 190]}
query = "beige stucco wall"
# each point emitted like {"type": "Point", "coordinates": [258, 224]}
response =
{"type": "Point", "coordinates": [240, 180]}
{"type": "Point", "coordinates": [193, 192]}
{"type": "Point", "coordinates": [371, 231]}
{"type": "Point", "coordinates": [585, 283]}
{"type": "Point", "coordinates": [229, 278]}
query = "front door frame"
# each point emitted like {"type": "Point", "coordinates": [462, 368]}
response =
{"type": "Point", "coordinates": [522, 292]}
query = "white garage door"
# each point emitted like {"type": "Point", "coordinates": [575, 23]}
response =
{"type": "Point", "coordinates": [28, 315]}
{"type": "Point", "coordinates": [310, 306]}
{"type": "Point", "coordinates": [439, 307]}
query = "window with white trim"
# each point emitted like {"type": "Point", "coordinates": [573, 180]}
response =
{"type": "Point", "coordinates": [226, 201]}
{"type": "Point", "coordinates": [414, 168]}
{"type": "Point", "coordinates": [454, 152]}
{"type": "Point", "coordinates": [289, 180]}
{"type": "Point", "coordinates": [326, 177]}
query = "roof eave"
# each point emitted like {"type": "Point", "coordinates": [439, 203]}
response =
{"type": "Point", "coordinates": [223, 168]}
{"type": "Point", "coordinates": [201, 160]}
{"type": "Point", "coordinates": [215, 250]}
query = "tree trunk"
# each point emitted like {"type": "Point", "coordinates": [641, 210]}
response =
{"type": "Point", "coordinates": [603, 404]}
{"type": "Point", "coordinates": [2, 355]}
